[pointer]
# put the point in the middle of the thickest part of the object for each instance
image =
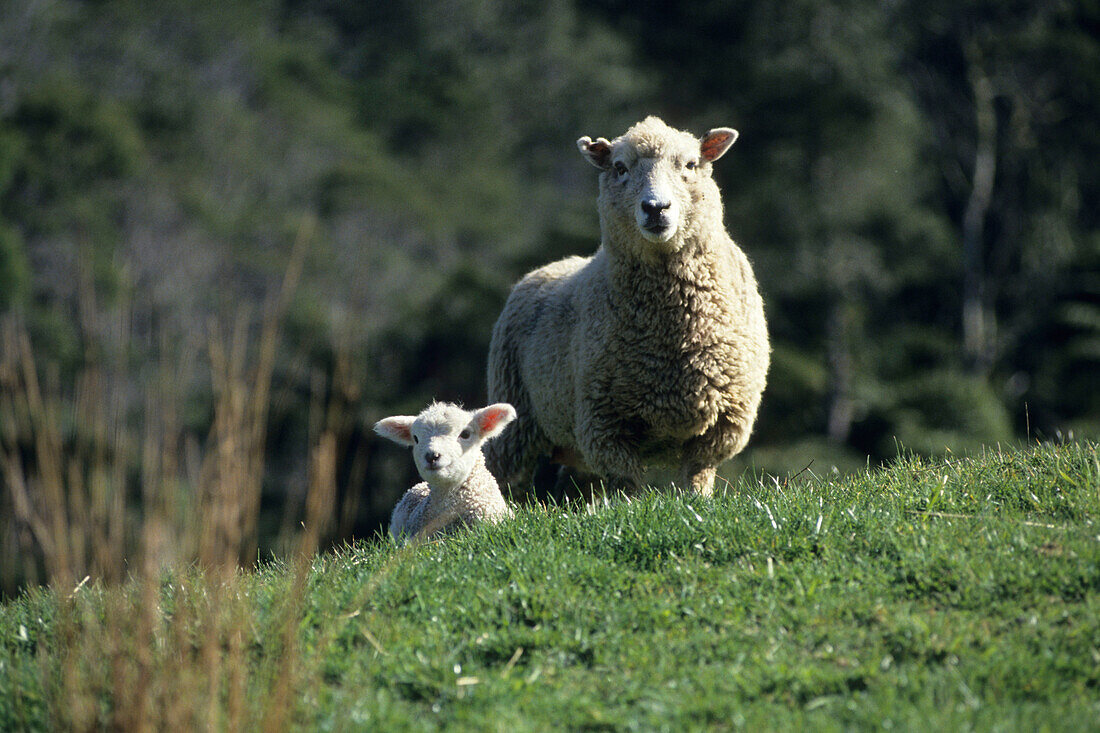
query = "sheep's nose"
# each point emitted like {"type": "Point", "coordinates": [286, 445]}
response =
{"type": "Point", "coordinates": [652, 207]}
{"type": "Point", "coordinates": [432, 457]}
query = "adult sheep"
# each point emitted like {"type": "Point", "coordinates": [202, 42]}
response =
{"type": "Point", "coordinates": [652, 351]}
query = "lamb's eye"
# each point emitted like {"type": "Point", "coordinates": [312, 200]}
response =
{"type": "Point", "coordinates": [465, 434]}
{"type": "Point", "coordinates": [620, 168]}
{"type": "Point", "coordinates": [416, 439]}
{"type": "Point", "coordinates": [691, 165]}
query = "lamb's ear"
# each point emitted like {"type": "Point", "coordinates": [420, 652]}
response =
{"type": "Point", "coordinates": [715, 143]}
{"type": "Point", "coordinates": [397, 428]}
{"type": "Point", "coordinates": [491, 420]}
{"type": "Point", "coordinates": [597, 152]}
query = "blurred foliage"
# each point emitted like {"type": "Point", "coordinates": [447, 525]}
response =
{"type": "Point", "coordinates": [158, 160]}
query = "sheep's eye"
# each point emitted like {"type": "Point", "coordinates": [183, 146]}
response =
{"type": "Point", "coordinates": [416, 439]}
{"type": "Point", "coordinates": [620, 168]}
{"type": "Point", "coordinates": [465, 434]}
{"type": "Point", "coordinates": [691, 165]}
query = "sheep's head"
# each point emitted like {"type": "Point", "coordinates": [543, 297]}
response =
{"type": "Point", "coordinates": [446, 440]}
{"type": "Point", "coordinates": [656, 180]}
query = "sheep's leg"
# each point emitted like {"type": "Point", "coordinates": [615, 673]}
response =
{"type": "Point", "coordinates": [699, 479]}
{"type": "Point", "coordinates": [703, 454]}
{"type": "Point", "coordinates": [573, 483]}
{"type": "Point", "coordinates": [606, 447]}
{"type": "Point", "coordinates": [612, 459]}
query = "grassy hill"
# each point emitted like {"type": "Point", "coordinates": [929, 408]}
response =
{"type": "Point", "coordinates": [955, 594]}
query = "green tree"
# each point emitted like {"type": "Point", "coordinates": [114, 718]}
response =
{"type": "Point", "coordinates": [909, 179]}
{"type": "Point", "coordinates": [1012, 93]}
{"type": "Point", "coordinates": [14, 268]}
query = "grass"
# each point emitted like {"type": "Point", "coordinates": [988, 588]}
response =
{"type": "Point", "coordinates": [956, 594]}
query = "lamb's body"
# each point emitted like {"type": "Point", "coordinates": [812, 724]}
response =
{"type": "Point", "coordinates": [427, 512]}
{"type": "Point", "coordinates": [654, 350]}
{"type": "Point", "coordinates": [458, 489]}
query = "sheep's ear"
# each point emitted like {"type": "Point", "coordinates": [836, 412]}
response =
{"type": "Point", "coordinates": [491, 420]}
{"type": "Point", "coordinates": [397, 428]}
{"type": "Point", "coordinates": [597, 152]}
{"type": "Point", "coordinates": [715, 143]}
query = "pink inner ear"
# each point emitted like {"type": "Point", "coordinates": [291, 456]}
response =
{"type": "Point", "coordinates": [489, 419]}
{"type": "Point", "coordinates": [396, 429]}
{"type": "Point", "coordinates": [599, 151]}
{"type": "Point", "coordinates": [715, 144]}
{"type": "Point", "coordinates": [599, 148]}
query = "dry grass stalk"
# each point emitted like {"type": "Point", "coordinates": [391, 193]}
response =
{"type": "Point", "coordinates": [169, 647]}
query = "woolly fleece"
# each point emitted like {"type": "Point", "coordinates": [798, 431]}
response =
{"type": "Point", "coordinates": [458, 490]}
{"type": "Point", "coordinates": [654, 350]}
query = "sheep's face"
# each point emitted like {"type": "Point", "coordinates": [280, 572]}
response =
{"type": "Point", "coordinates": [654, 178]}
{"type": "Point", "coordinates": [445, 439]}
{"type": "Point", "coordinates": [652, 190]}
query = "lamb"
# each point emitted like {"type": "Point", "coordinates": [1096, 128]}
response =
{"type": "Point", "coordinates": [652, 351]}
{"type": "Point", "coordinates": [457, 489]}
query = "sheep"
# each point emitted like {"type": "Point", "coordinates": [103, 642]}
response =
{"type": "Point", "coordinates": [457, 489]}
{"type": "Point", "coordinates": [652, 351]}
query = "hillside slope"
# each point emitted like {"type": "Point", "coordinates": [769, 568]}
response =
{"type": "Point", "coordinates": [961, 593]}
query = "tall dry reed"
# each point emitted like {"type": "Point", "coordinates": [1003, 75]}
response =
{"type": "Point", "coordinates": [141, 531]}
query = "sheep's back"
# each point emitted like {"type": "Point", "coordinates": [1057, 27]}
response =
{"type": "Point", "coordinates": [531, 357]}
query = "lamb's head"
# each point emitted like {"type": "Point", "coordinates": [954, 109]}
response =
{"type": "Point", "coordinates": [656, 181]}
{"type": "Point", "coordinates": [446, 440]}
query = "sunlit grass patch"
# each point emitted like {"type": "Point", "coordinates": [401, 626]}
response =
{"type": "Point", "coordinates": [954, 593]}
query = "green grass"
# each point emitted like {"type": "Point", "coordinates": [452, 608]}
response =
{"type": "Point", "coordinates": [958, 594]}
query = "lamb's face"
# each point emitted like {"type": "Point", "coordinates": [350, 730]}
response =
{"type": "Point", "coordinates": [446, 444]}
{"type": "Point", "coordinates": [654, 178]}
{"type": "Point", "coordinates": [445, 439]}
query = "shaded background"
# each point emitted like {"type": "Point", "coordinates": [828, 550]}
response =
{"type": "Point", "coordinates": [916, 183]}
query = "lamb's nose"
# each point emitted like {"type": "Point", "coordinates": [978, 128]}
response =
{"type": "Point", "coordinates": [432, 457]}
{"type": "Point", "coordinates": [652, 207]}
